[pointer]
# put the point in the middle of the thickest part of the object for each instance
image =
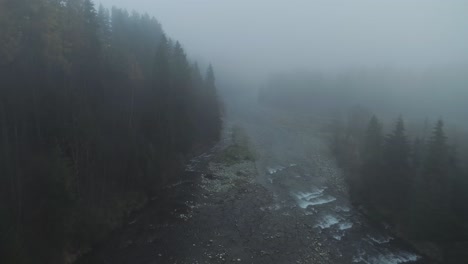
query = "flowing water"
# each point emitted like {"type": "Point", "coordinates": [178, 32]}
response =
{"type": "Point", "coordinates": [294, 163]}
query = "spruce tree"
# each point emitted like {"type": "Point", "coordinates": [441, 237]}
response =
{"type": "Point", "coordinates": [213, 106]}
{"type": "Point", "coordinates": [432, 215]}
{"type": "Point", "coordinates": [374, 141]}
{"type": "Point", "coordinates": [437, 161]}
{"type": "Point", "coordinates": [367, 184]}
{"type": "Point", "coordinates": [397, 181]}
{"type": "Point", "coordinates": [436, 183]}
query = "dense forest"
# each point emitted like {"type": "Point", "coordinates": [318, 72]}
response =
{"type": "Point", "coordinates": [412, 175]}
{"type": "Point", "coordinates": [414, 180]}
{"type": "Point", "coordinates": [98, 111]}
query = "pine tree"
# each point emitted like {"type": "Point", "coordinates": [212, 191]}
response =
{"type": "Point", "coordinates": [437, 182]}
{"type": "Point", "coordinates": [213, 106]}
{"type": "Point", "coordinates": [417, 154]}
{"type": "Point", "coordinates": [368, 184]}
{"type": "Point", "coordinates": [437, 161]}
{"type": "Point", "coordinates": [374, 141]}
{"type": "Point", "coordinates": [396, 147]}
{"type": "Point", "coordinates": [181, 86]}
{"type": "Point", "coordinates": [397, 181]}
{"type": "Point", "coordinates": [196, 107]}
{"type": "Point", "coordinates": [159, 115]}
{"type": "Point", "coordinates": [104, 29]}
{"type": "Point", "coordinates": [432, 214]}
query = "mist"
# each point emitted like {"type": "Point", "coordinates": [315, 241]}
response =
{"type": "Point", "coordinates": [233, 131]}
{"type": "Point", "coordinates": [254, 38]}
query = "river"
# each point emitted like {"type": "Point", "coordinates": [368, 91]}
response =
{"type": "Point", "coordinates": [290, 205]}
{"type": "Point", "coordinates": [294, 163]}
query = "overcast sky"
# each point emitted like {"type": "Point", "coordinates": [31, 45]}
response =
{"type": "Point", "coordinates": [270, 35]}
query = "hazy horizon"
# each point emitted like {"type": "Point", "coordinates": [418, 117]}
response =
{"type": "Point", "coordinates": [326, 131]}
{"type": "Point", "coordinates": [253, 38]}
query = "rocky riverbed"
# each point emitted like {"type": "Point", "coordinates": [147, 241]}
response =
{"type": "Point", "coordinates": [267, 193]}
{"type": "Point", "coordinates": [217, 213]}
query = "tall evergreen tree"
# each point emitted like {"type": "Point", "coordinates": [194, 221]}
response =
{"type": "Point", "coordinates": [374, 141]}
{"type": "Point", "coordinates": [181, 86]}
{"type": "Point", "coordinates": [368, 184]}
{"type": "Point", "coordinates": [397, 168]}
{"type": "Point", "coordinates": [104, 30]}
{"type": "Point", "coordinates": [213, 107]}
{"type": "Point", "coordinates": [417, 154]}
{"type": "Point", "coordinates": [437, 160]}
{"type": "Point", "coordinates": [436, 183]}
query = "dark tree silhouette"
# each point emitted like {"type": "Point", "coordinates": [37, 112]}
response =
{"type": "Point", "coordinates": [98, 110]}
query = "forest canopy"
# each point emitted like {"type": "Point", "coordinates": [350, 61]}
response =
{"type": "Point", "coordinates": [98, 110]}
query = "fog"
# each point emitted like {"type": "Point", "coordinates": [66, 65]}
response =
{"type": "Point", "coordinates": [253, 38]}
{"type": "Point", "coordinates": [259, 131]}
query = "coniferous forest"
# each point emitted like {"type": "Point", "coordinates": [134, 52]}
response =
{"type": "Point", "coordinates": [408, 172]}
{"type": "Point", "coordinates": [98, 110]}
{"type": "Point", "coordinates": [412, 180]}
{"type": "Point", "coordinates": [345, 136]}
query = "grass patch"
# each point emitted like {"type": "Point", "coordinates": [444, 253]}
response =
{"type": "Point", "coordinates": [238, 151]}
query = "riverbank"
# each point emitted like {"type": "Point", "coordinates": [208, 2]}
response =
{"type": "Point", "coordinates": [217, 213]}
{"type": "Point", "coordinates": [295, 162]}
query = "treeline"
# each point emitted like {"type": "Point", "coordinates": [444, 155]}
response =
{"type": "Point", "coordinates": [98, 110]}
{"type": "Point", "coordinates": [384, 90]}
{"type": "Point", "coordinates": [415, 183]}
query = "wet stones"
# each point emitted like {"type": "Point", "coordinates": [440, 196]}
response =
{"type": "Point", "coordinates": [209, 176]}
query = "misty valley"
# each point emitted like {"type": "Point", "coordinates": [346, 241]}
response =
{"type": "Point", "coordinates": [233, 132]}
